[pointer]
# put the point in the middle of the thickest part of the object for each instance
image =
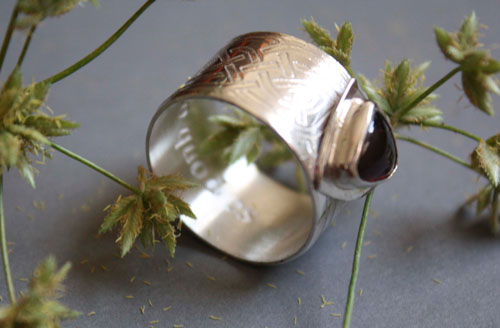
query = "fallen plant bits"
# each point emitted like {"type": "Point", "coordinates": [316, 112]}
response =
{"type": "Point", "coordinates": [27, 127]}
{"type": "Point", "coordinates": [406, 101]}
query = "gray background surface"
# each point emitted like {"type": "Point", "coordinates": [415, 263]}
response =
{"type": "Point", "coordinates": [115, 97]}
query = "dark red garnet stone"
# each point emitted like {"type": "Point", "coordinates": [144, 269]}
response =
{"type": "Point", "coordinates": [379, 151]}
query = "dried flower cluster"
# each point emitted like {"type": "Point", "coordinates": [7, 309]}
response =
{"type": "Point", "coordinates": [39, 308]}
{"type": "Point", "coordinates": [402, 84]}
{"type": "Point", "coordinates": [26, 125]}
{"type": "Point", "coordinates": [402, 96]}
{"type": "Point", "coordinates": [34, 11]}
{"type": "Point", "coordinates": [477, 65]}
{"type": "Point", "coordinates": [151, 213]}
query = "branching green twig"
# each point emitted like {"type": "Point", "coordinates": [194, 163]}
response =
{"type": "Point", "coordinates": [356, 260]}
{"type": "Point", "coordinates": [26, 45]}
{"type": "Point", "coordinates": [449, 128]}
{"type": "Point", "coordinates": [3, 244]}
{"type": "Point", "coordinates": [8, 35]}
{"type": "Point", "coordinates": [87, 59]}
{"type": "Point", "coordinates": [434, 149]}
{"type": "Point", "coordinates": [149, 213]}
{"type": "Point", "coordinates": [94, 166]}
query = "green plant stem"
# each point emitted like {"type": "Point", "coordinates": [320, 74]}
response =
{"type": "Point", "coordinates": [26, 44]}
{"type": "Point", "coordinates": [5, 252]}
{"type": "Point", "coordinates": [94, 166]}
{"type": "Point", "coordinates": [494, 211]}
{"type": "Point", "coordinates": [449, 128]}
{"type": "Point", "coordinates": [427, 92]}
{"type": "Point", "coordinates": [91, 56]}
{"type": "Point", "coordinates": [8, 35]}
{"type": "Point", "coordinates": [355, 263]}
{"type": "Point", "coordinates": [434, 149]}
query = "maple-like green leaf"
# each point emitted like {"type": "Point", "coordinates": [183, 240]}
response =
{"type": "Point", "coordinates": [477, 65]}
{"type": "Point", "coordinates": [34, 11]}
{"type": "Point", "coordinates": [275, 156]}
{"type": "Point", "coordinates": [117, 211]}
{"type": "Point", "coordinates": [150, 214]}
{"type": "Point", "coordinates": [341, 48]}
{"type": "Point", "coordinates": [167, 234]}
{"type": "Point", "coordinates": [486, 160]}
{"type": "Point", "coordinates": [239, 135]}
{"type": "Point", "coordinates": [484, 198]}
{"type": "Point", "coordinates": [230, 121]}
{"type": "Point", "coordinates": [132, 225]}
{"type": "Point", "coordinates": [170, 183]}
{"type": "Point", "coordinates": [38, 307]}
{"type": "Point", "coordinates": [247, 144]}
{"type": "Point", "coordinates": [477, 88]}
{"type": "Point", "coordinates": [218, 141]}
{"type": "Point", "coordinates": [243, 136]}
{"type": "Point", "coordinates": [181, 206]}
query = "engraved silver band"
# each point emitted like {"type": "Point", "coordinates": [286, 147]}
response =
{"type": "Point", "coordinates": [310, 102]}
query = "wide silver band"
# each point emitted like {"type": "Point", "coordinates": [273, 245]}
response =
{"type": "Point", "coordinates": [290, 86]}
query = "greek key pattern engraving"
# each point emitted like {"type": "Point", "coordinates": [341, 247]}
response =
{"type": "Point", "coordinates": [295, 83]}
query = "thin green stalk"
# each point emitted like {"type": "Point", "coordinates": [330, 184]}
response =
{"type": "Point", "coordinates": [5, 252]}
{"type": "Point", "coordinates": [449, 128]}
{"type": "Point", "coordinates": [434, 149]}
{"type": "Point", "coordinates": [94, 166]}
{"type": "Point", "coordinates": [427, 92]}
{"type": "Point", "coordinates": [494, 211]}
{"type": "Point", "coordinates": [26, 44]}
{"type": "Point", "coordinates": [91, 56]}
{"type": "Point", "coordinates": [355, 263]}
{"type": "Point", "coordinates": [8, 35]}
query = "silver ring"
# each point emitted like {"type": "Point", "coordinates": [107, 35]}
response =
{"type": "Point", "coordinates": [341, 142]}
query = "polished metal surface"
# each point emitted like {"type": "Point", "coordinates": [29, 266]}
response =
{"type": "Point", "coordinates": [342, 146]}
{"type": "Point", "coordinates": [293, 88]}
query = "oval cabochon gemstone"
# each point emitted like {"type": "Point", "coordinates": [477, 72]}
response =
{"type": "Point", "coordinates": [379, 155]}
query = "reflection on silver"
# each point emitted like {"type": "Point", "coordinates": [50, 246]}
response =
{"type": "Point", "coordinates": [310, 102]}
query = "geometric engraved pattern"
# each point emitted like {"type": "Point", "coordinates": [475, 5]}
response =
{"type": "Point", "coordinates": [289, 84]}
